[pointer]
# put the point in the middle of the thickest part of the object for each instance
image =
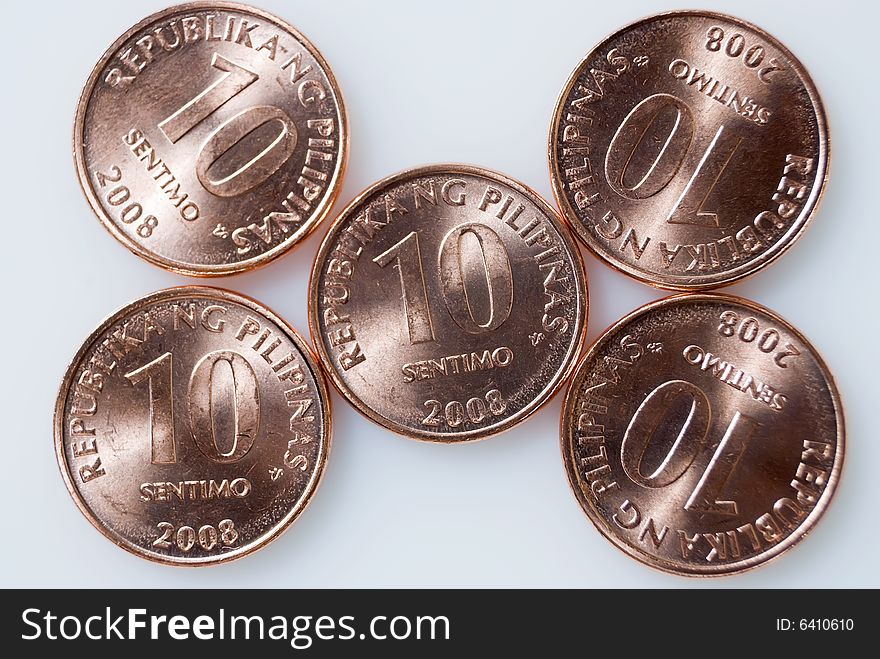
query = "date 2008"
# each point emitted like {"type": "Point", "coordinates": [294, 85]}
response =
{"type": "Point", "coordinates": [186, 538]}
{"type": "Point", "coordinates": [475, 410]}
{"type": "Point", "coordinates": [119, 197]}
{"type": "Point", "coordinates": [748, 330]}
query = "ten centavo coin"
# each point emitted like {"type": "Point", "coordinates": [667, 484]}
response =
{"type": "Point", "coordinates": [447, 302]}
{"type": "Point", "coordinates": [703, 435]}
{"type": "Point", "coordinates": [689, 150]}
{"type": "Point", "coordinates": [193, 426]}
{"type": "Point", "coordinates": [210, 138]}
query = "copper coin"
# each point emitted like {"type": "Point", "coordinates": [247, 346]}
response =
{"type": "Point", "coordinates": [210, 138]}
{"type": "Point", "coordinates": [447, 302]}
{"type": "Point", "coordinates": [703, 434]}
{"type": "Point", "coordinates": [193, 426]}
{"type": "Point", "coordinates": [689, 150]}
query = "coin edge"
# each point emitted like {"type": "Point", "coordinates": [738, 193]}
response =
{"type": "Point", "coordinates": [747, 270]}
{"type": "Point", "coordinates": [226, 269]}
{"type": "Point", "coordinates": [729, 569]}
{"type": "Point", "coordinates": [473, 435]}
{"type": "Point", "coordinates": [167, 294]}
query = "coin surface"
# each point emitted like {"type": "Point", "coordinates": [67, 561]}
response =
{"type": "Point", "coordinates": [689, 150]}
{"type": "Point", "coordinates": [703, 435]}
{"type": "Point", "coordinates": [210, 138]}
{"type": "Point", "coordinates": [447, 302]}
{"type": "Point", "coordinates": [193, 426]}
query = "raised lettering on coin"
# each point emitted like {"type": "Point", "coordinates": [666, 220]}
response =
{"type": "Point", "coordinates": [703, 435]}
{"type": "Point", "coordinates": [689, 150]}
{"type": "Point", "coordinates": [447, 302]}
{"type": "Point", "coordinates": [210, 138]}
{"type": "Point", "coordinates": [193, 426]}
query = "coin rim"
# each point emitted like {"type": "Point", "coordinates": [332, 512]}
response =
{"type": "Point", "coordinates": [218, 294]}
{"type": "Point", "coordinates": [552, 386]}
{"type": "Point", "coordinates": [725, 277]}
{"type": "Point", "coordinates": [664, 565]}
{"type": "Point", "coordinates": [222, 269]}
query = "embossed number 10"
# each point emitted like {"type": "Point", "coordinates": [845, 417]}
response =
{"type": "Point", "coordinates": [639, 129]}
{"type": "Point", "coordinates": [256, 170]}
{"type": "Point", "coordinates": [691, 440]}
{"type": "Point", "coordinates": [466, 243]}
{"type": "Point", "coordinates": [205, 388]}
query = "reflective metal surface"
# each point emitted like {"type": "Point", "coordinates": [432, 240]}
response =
{"type": "Point", "coordinates": [689, 150]}
{"type": "Point", "coordinates": [703, 435]}
{"type": "Point", "coordinates": [193, 426]}
{"type": "Point", "coordinates": [447, 302]}
{"type": "Point", "coordinates": [210, 138]}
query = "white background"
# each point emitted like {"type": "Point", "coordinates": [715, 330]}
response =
{"type": "Point", "coordinates": [461, 81]}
